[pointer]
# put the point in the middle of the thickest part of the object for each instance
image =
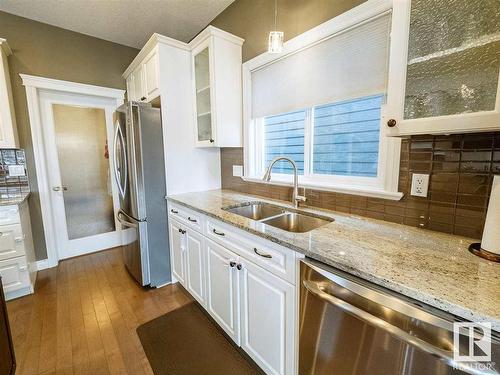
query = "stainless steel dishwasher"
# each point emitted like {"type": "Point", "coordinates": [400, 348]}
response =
{"type": "Point", "coordinates": [348, 326]}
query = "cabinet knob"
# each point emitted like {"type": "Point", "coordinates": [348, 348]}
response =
{"type": "Point", "coordinates": [239, 266]}
{"type": "Point", "coordinates": [143, 98]}
{"type": "Point", "coordinates": [212, 140]}
{"type": "Point", "coordinates": [391, 123]}
{"type": "Point", "coordinates": [182, 231]}
{"type": "Point", "coordinates": [232, 263]}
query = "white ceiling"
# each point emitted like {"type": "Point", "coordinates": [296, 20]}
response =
{"type": "Point", "coordinates": [128, 22]}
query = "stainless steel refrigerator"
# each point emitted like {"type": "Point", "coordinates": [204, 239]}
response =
{"type": "Point", "coordinates": [139, 171]}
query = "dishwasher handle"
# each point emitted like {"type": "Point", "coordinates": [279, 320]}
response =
{"type": "Point", "coordinates": [399, 333]}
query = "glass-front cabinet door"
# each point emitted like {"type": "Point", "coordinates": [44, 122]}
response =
{"type": "Point", "coordinates": [444, 67]}
{"type": "Point", "coordinates": [203, 98]}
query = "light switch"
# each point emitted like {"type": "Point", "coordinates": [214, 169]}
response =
{"type": "Point", "coordinates": [237, 170]}
{"type": "Point", "coordinates": [419, 184]}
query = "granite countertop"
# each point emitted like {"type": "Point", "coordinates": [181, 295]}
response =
{"type": "Point", "coordinates": [12, 199]}
{"type": "Point", "coordinates": [432, 267]}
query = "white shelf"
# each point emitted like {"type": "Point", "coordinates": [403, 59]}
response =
{"type": "Point", "coordinates": [479, 42]}
{"type": "Point", "coordinates": [202, 89]}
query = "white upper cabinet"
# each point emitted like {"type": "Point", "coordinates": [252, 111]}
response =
{"type": "Point", "coordinates": [444, 67]}
{"type": "Point", "coordinates": [142, 76]}
{"type": "Point", "coordinates": [216, 65]}
{"type": "Point", "coordinates": [8, 127]}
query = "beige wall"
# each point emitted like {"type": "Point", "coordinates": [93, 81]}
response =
{"type": "Point", "coordinates": [253, 19]}
{"type": "Point", "coordinates": [52, 52]}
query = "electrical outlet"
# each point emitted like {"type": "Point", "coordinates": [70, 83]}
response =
{"type": "Point", "coordinates": [237, 170]}
{"type": "Point", "coordinates": [419, 184]}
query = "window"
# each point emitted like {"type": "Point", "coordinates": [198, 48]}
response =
{"type": "Point", "coordinates": [346, 137]}
{"type": "Point", "coordinates": [284, 136]}
{"type": "Point", "coordinates": [321, 103]}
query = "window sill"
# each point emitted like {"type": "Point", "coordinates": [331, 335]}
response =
{"type": "Point", "coordinates": [365, 191]}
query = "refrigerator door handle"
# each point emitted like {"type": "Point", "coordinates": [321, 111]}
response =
{"type": "Point", "coordinates": [127, 220]}
{"type": "Point", "coordinates": [122, 189]}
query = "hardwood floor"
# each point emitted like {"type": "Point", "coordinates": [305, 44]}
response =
{"type": "Point", "coordinates": [83, 316]}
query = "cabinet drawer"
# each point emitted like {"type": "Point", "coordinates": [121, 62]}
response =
{"type": "Point", "coordinates": [186, 216]}
{"type": "Point", "coordinates": [11, 241]}
{"type": "Point", "coordinates": [15, 274]}
{"type": "Point", "coordinates": [9, 215]}
{"type": "Point", "coordinates": [274, 258]}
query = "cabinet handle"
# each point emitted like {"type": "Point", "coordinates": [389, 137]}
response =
{"type": "Point", "coordinates": [218, 233]}
{"type": "Point", "coordinates": [182, 231]}
{"type": "Point", "coordinates": [263, 255]}
{"type": "Point", "coordinates": [143, 98]}
{"type": "Point", "coordinates": [174, 211]}
{"type": "Point", "coordinates": [212, 140]}
{"type": "Point", "coordinates": [239, 266]}
{"type": "Point", "coordinates": [192, 220]}
{"type": "Point", "coordinates": [391, 123]}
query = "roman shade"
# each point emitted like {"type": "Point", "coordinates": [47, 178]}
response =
{"type": "Point", "coordinates": [349, 64]}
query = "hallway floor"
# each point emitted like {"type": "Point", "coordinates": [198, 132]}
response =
{"type": "Point", "coordinates": [83, 317]}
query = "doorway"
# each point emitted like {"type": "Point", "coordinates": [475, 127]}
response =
{"type": "Point", "coordinates": [71, 132]}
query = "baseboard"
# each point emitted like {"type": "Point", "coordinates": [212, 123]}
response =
{"type": "Point", "coordinates": [42, 264]}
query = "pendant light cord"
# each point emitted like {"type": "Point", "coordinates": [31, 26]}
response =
{"type": "Point", "coordinates": [275, 14]}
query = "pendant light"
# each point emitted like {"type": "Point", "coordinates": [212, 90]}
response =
{"type": "Point", "coordinates": [275, 37]}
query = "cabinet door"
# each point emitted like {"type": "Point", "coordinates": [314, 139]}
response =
{"type": "Point", "coordinates": [138, 84]}
{"type": "Point", "coordinates": [130, 88]}
{"type": "Point", "coordinates": [223, 303]}
{"type": "Point", "coordinates": [15, 274]}
{"type": "Point", "coordinates": [195, 266]}
{"type": "Point", "coordinates": [11, 241]}
{"type": "Point", "coordinates": [203, 97]}
{"type": "Point", "coordinates": [444, 67]}
{"type": "Point", "coordinates": [150, 68]}
{"type": "Point", "coordinates": [267, 319]}
{"type": "Point", "coordinates": [177, 245]}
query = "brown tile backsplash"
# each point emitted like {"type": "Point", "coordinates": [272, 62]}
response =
{"type": "Point", "coordinates": [461, 169]}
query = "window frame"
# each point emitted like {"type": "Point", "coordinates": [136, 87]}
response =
{"type": "Point", "coordinates": [385, 185]}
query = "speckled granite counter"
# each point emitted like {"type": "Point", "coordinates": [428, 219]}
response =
{"type": "Point", "coordinates": [431, 267]}
{"type": "Point", "coordinates": [12, 199]}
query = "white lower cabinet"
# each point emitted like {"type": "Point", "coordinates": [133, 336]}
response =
{"type": "Point", "coordinates": [176, 250]}
{"type": "Point", "coordinates": [253, 298]}
{"type": "Point", "coordinates": [267, 319]}
{"type": "Point", "coordinates": [195, 265]}
{"type": "Point", "coordinates": [223, 301]}
{"type": "Point", "coordinates": [17, 253]}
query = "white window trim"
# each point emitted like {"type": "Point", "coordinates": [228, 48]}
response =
{"type": "Point", "coordinates": [385, 185]}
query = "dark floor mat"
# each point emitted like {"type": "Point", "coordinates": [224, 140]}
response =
{"type": "Point", "coordinates": [186, 342]}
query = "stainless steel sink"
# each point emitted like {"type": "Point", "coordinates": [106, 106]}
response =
{"type": "Point", "coordinates": [279, 217]}
{"type": "Point", "coordinates": [256, 210]}
{"type": "Point", "coordinates": [297, 223]}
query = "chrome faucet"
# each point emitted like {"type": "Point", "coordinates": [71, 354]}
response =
{"type": "Point", "coordinates": [296, 198]}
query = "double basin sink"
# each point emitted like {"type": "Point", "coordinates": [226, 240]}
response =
{"type": "Point", "coordinates": [279, 217]}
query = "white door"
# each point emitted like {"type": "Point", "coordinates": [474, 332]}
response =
{"type": "Point", "coordinates": [222, 285]}
{"type": "Point", "coordinates": [76, 131]}
{"type": "Point", "coordinates": [177, 246]}
{"type": "Point", "coordinates": [195, 266]}
{"type": "Point", "coordinates": [267, 319]}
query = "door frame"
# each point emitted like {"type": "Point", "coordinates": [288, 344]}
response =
{"type": "Point", "coordinates": [35, 85]}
